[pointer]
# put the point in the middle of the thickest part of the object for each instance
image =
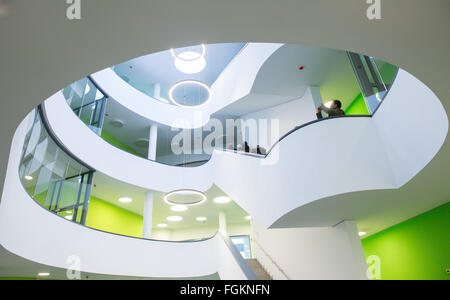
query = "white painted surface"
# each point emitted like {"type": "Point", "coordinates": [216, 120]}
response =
{"type": "Point", "coordinates": [148, 215]}
{"type": "Point", "coordinates": [232, 84]}
{"type": "Point", "coordinates": [327, 158]}
{"type": "Point", "coordinates": [308, 253]}
{"type": "Point", "coordinates": [289, 115]}
{"type": "Point", "coordinates": [32, 232]}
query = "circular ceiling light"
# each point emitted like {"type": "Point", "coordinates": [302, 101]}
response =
{"type": "Point", "coordinates": [222, 200]}
{"type": "Point", "coordinates": [162, 225]}
{"type": "Point", "coordinates": [189, 92]}
{"type": "Point", "coordinates": [179, 208]}
{"type": "Point", "coordinates": [248, 217]}
{"type": "Point", "coordinates": [117, 123]}
{"type": "Point", "coordinates": [28, 177]}
{"type": "Point", "coordinates": [201, 219]}
{"type": "Point", "coordinates": [142, 143]}
{"type": "Point", "coordinates": [197, 55]}
{"type": "Point", "coordinates": [125, 200]}
{"type": "Point", "coordinates": [190, 62]}
{"type": "Point", "coordinates": [362, 233]}
{"type": "Point", "coordinates": [185, 197]}
{"type": "Point", "coordinates": [174, 218]}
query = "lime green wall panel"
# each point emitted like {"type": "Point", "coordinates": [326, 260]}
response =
{"type": "Point", "coordinates": [357, 107]}
{"type": "Point", "coordinates": [107, 217]}
{"type": "Point", "coordinates": [418, 248]}
{"type": "Point", "coordinates": [115, 142]}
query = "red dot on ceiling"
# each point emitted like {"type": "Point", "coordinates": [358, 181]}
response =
{"type": "Point", "coordinates": [131, 67]}
{"type": "Point", "coordinates": [301, 68]}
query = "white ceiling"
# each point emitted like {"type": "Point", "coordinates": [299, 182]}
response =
{"type": "Point", "coordinates": [143, 72]}
{"type": "Point", "coordinates": [281, 80]}
{"type": "Point", "coordinates": [110, 190]}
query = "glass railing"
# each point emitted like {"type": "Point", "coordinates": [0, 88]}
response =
{"type": "Point", "coordinates": [87, 102]}
{"type": "Point", "coordinates": [53, 178]}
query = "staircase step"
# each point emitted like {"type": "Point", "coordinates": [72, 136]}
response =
{"type": "Point", "coordinates": [257, 268]}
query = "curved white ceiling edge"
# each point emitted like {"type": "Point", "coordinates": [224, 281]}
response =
{"type": "Point", "coordinates": [234, 83]}
{"type": "Point", "coordinates": [382, 152]}
{"type": "Point", "coordinates": [36, 234]}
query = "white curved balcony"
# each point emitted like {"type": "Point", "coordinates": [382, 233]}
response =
{"type": "Point", "coordinates": [38, 235]}
{"type": "Point", "coordinates": [380, 152]}
{"type": "Point", "coordinates": [234, 83]}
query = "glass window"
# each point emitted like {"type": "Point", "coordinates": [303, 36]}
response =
{"type": "Point", "coordinates": [242, 243]}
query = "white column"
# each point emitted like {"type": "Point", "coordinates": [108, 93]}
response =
{"type": "Point", "coordinates": [357, 255]}
{"type": "Point", "coordinates": [223, 223]}
{"type": "Point", "coordinates": [148, 207]}
{"type": "Point", "coordinates": [148, 212]}
{"type": "Point", "coordinates": [153, 139]}
{"type": "Point", "coordinates": [157, 91]}
{"type": "Point", "coordinates": [317, 98]}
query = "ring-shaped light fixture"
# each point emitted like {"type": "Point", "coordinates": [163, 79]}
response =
{"type": "Point", "coordinates": [180, 83]}
{"type": "Point", "coordinates": [167, 197]}
{"type": "Point", "coordinates": [200, 55]}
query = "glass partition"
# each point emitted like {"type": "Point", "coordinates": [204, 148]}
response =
{"type": "Point", "coordinates": [374, 77]}
{"type": "Point", "coordinates": [53, 178]}
{"type": "Point", "coordinates": [87, 102]}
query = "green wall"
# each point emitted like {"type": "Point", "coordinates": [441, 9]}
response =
{"type": "Point", "coordinates": [418, 248]}
{"type": "Point", "coordinates": [110, 218]}
{"type": "Point", "coordinates": [357, 107]}
{"type": "Point", "coordinates": [115, 142]}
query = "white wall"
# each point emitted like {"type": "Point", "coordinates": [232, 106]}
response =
{"type": "Point", "coordinates": [183, 234]}
{"type": "Point", "coordinates": [310, 253]}
{"type": "Point", "coordinates": [289, 115]}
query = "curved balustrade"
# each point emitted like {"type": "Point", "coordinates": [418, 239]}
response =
{"type": "Point", "coordinates": [43, 163]}
{"type": "Point", "coordinates": [88, 100]}
{"type": "Point", "coordinates": [367, 148]}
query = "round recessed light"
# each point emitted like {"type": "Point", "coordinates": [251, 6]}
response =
{"type": "Point", "coordinates": [222, 200]}
{"type": "Point", "coordinates": [248, 217]}
{"type": "Point", "coordinates": [361, 233]}
{"type": "Point", "coordinates": [190, 66]}
{"type": "Point", "coordinates": [117, 123]}
{"type": "Point", "coordinates": [185, 197]}
{"type": "Point", "coordinates": [27, 177]}
{"type": "Point", "coordinates": [125, 200]}
{"type": "Point", "coordinates": [193, 58]}
{"type": "Point", "coordinates": [189, 83]}
{"type": "Point", "coordinates": [142, 143]}
{"type": "Point", "coordinates": [179, 208]}
{"type": "Point", "coordinates": [201, 219]}
{"type": "Point", "coordinates": [162, 225]}
{"type": "Point", "coordinates": [69, 218]}
{"type": "Point", "coordinates": [42, 274]}
{"type": "Point", "coordinates": [125, 78]}
{"type": "Point", "coordinates": [174, 218]}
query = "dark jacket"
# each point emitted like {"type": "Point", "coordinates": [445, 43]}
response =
{"type": "Point", "coordinates": [332, 112]}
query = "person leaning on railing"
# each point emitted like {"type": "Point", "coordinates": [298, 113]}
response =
{"type": "Point", "coordinates": [332, 111]}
